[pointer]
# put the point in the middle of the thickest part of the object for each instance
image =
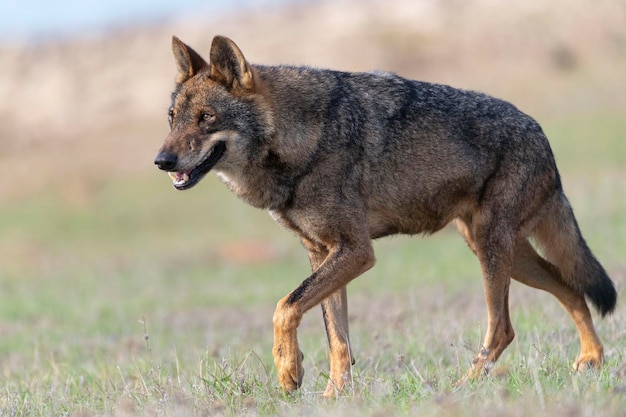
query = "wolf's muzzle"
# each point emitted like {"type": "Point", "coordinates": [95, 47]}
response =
{"type": "Point", "coordinates": [166, 161]}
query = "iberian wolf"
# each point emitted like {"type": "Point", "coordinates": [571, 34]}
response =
{"type": "Point", "coordinates": [342, 158]}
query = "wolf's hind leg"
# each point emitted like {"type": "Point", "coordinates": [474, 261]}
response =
{"type": "Point", "coordinates": [494, 253]}
{"type": "Point", "coordinates": [499, 328]}
{"type": "Point", "coordinates": [531, 269]}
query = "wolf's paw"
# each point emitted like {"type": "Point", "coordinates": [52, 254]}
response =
{"type": "Point", "coordinates": [338, 385]}
{"type": "Point", "coordinates": [340, 378]}
{"type": "Point", "coordinates": [481, 365]}
{"type": "Point", "coordinates": [289, 369]}
{"type": "Point", "coordinates": [476, 372]}
{"type": "Point", "coordinates": [588, 361]}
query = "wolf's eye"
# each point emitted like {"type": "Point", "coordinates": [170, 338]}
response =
{"type": "Point", "coordinates": [170, 116]}
{"type": "Point", "coordinates": [207, 117]}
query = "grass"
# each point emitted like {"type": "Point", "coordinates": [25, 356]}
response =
{"type": "Point", "coordinates": [137, 300]}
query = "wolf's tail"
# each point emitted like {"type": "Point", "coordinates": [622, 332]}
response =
{"type": "Point", "coordinates": [559, 237]}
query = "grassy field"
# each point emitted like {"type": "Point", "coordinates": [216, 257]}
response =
{"type": "Point", "coordinates": [135, 299]}
{"type": "Point", "coordinates": [121, 297]}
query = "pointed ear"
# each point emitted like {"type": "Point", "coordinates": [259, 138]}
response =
{"type": "Point", "coordinates": [188, 61]}
{"type": "Point", "coordinates": [228, 65]}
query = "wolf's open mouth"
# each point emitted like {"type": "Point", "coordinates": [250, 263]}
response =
{"type": "Point", "coordinates": [186, 180]}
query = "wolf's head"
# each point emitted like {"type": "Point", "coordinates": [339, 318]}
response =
{"type": "Point", "coordinates": [216, 118]}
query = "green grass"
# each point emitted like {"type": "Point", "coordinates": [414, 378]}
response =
{"type": "Point", "coordinates": [124, 302]}
{"type": "Point", "coordinates": [590, 143]}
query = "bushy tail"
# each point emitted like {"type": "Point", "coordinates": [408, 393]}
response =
{"type": "Point", "coordinates": [562, 244]}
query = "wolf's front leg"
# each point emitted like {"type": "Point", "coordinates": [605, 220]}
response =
{"type": "Point", "coordinates": [287, 354]}
{"type": "Point", "coordinates": [335, 313]}
{"type": "Point", "coordinates": [344, 263]}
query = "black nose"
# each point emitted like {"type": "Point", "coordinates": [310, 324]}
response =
{"type": "Point", "coordinates": [166, 161]}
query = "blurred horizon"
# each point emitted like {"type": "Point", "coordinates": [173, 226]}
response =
{"type": "Point", "coordinates": [41, 21]}
{"type": "Point", "coordinates": [86, 106]}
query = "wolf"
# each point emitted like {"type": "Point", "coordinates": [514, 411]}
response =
{"type": "Point", "coordinates": [343, 158]}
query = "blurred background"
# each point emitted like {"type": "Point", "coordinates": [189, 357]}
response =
{"type": "Point", "coordinates": [92, 234]}
{"type": "Point", "coordinates": [85, 85]}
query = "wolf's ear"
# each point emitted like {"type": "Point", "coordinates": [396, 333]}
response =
{"type": "Point", "coordinates": [228, 65]}
{"type": "Point", "coordinates": [188, 61]}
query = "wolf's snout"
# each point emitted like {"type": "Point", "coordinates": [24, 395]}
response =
{"type": "Point", "coordinates": [166, 160]}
